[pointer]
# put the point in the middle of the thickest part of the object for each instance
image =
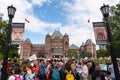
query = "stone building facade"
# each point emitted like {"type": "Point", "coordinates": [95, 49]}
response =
{"type": "Point", "coordinates": [88, 47]}
{"type": "Point", "coordinates": [55, 45]}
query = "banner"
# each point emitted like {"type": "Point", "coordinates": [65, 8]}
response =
{"type": "Point", "coordinates": [17, 33]}
{"type": "Point", "coordinates": [33, 57]}
{"type": "Point", "coordinates": [100, 32]}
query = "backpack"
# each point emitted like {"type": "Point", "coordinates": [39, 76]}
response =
{"type": "Point", "coordinates": [55, 75]}
{"type": "Point", "coordinates": [17, 77]}
{"type": "Point", "coordinates": [69, 75]}
{"type": "Point", "coordinates": [99, 77]}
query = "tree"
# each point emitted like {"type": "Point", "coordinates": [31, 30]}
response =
{"type": "Point", "coordinates": [72, 53]}
{"type": "Point", "coordinates": [102, 53]}
{"type": "Point", "coordinates": [88, 54]}
{"type": "Point", "coordinates": [83, 54]}
{"type": "Point", "coordinates": [115, 27]}
{"type": "Point", "coordinates": [13, 49]}
{"type": "Point", "coordinates": [40, 54]}
{"type": "Point", "coordinates": [3, 27]}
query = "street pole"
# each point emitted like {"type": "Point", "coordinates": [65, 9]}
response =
{"type": "Point", "coordinates": [112, 51]}
{"type": "Point", "coordinates": [6, 50]}
{"type": "Point", "coordinates": [105, 11]}
{"type": "Point", "coordinates": [11, 12]}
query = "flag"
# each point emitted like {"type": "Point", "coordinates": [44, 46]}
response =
{"type": "Point", "coordinates": [88, 21]}
{"type": "Point", "coordinates": [27, 20]}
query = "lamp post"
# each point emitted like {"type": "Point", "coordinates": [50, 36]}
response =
{"type": "Point", "coordinates": [105, 11]}
{"type": "Point", "coordinates": [11, 12]}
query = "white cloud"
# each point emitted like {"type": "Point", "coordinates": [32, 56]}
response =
{"type": "Point", "coordinates": [39, 26]}
{"type": "Point", "coordinates": [40, 2]}
{"type": "Point", "coordinates": [77, 14]}
{"type": "Point", "coordinates": [25, 10]}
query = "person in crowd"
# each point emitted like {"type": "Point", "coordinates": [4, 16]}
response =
{"type": "Point", "coordinates": [42, 67]}
{"type": "Point", "coordinates": [73, 69]}
{"type": "Point", "coordinates": [60, 64]}
{"type": "Point", "coordinates": [70, 69]}
{"type": "Point", "coordinates": [61, 68]}
{"type": "Point", "coordinates": [48, 69]}
{"type": "Point", "coordinates": [98, 74]}
{"type": "Point", "coordinates": [15, 64]}
{"type": "Point", "coordinates": [30, 75]}
{"type": "Point", "coordinates": [8, 70]}
{"type": "Point", "coordinates": [55, 73]}
{"type": "Point", "coordinates": [24, 72]}
{"type": "Point", "coordinates": [79, 69]}
{"type": "Point", "coordinates": [84, 72]}
{"type": "Point", "coordinates": [36, 69]}
{"type": "Point", "coordinates": [111, 69]}
{"type": "Point", "coordinates": [16, 74]}
{"type": "Point", "coordinates": [92, 68]}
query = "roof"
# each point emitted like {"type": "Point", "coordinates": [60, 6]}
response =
{"type": "Point", "coordinates": [89, 41]}
{"type": "Point", "coordinates": [28, 40]}
{"type": "Point", "coordinates": [73, 46]}
{"type": "Point", "coordinates": [48, 34]}
{"type": "Point", "coordinates": [38, 45]}
{"type": "Point", "coordinates": [58, 34]}
{"type": "Point", "coordinates": [66, 35]}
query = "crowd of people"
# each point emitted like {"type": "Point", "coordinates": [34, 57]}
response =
{"type": "Point", "coordinates": [57, 70]}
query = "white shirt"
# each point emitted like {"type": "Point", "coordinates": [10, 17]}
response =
{"type": "Point", "coordinates": [84, 71]}
{"type": "Point", "coordinates": [111, 69]}
{"type": "Point", "coordinates": [79, 68]}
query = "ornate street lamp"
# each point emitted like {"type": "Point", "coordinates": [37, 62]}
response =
{"type": "Point", "coordinates": [105, 11]}
{"type": "Point", "coordinates": [11, 13]}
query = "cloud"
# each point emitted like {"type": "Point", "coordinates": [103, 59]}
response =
{"type": "Point", "coordinates": [40, 2]}
{"type": "Point", "coordinates": [36, 25]}
{"type": "Point", "coordinates": [78, 12]}
{"type": "Point", "coordinates": [25, 10]}
{"type": "Point", "coordinates": [76, 15]}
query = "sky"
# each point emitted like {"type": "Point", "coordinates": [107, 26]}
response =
{"type": "Point", "coordinates": [67, 16]}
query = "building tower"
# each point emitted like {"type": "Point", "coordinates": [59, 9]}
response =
{"type": "Point", "coordinates": [26, 49]}
{"type": "Point", "coordinates": [66, 43]}
{"type": "Point", "coordinates": [48, 44]}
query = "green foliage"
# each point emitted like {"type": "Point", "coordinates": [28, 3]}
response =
{"type": "Point", "coordinates": [25, 62]}
{"type": "Point", "coordinates": [13, 51]}
{"type": "Point", "coordinates": [1, 56]}
{"type": "Point", "coordinates": [102, 53]}
{"type": "Point", "coordinates": [72, 53]}
{"type": "Point", "coordinates": [83, 54]}
{"type": "Point", "coordinates": [40, 54]}
{"type": "Point", "coordinates": [88, 54]}
{"type": "Point", "coordinates": [115, 27]}
{"type": "Point", "coordinates": [3, 27]}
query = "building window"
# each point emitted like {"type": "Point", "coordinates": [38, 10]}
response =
{"type": "Point", "coordinates": [66, 43]}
